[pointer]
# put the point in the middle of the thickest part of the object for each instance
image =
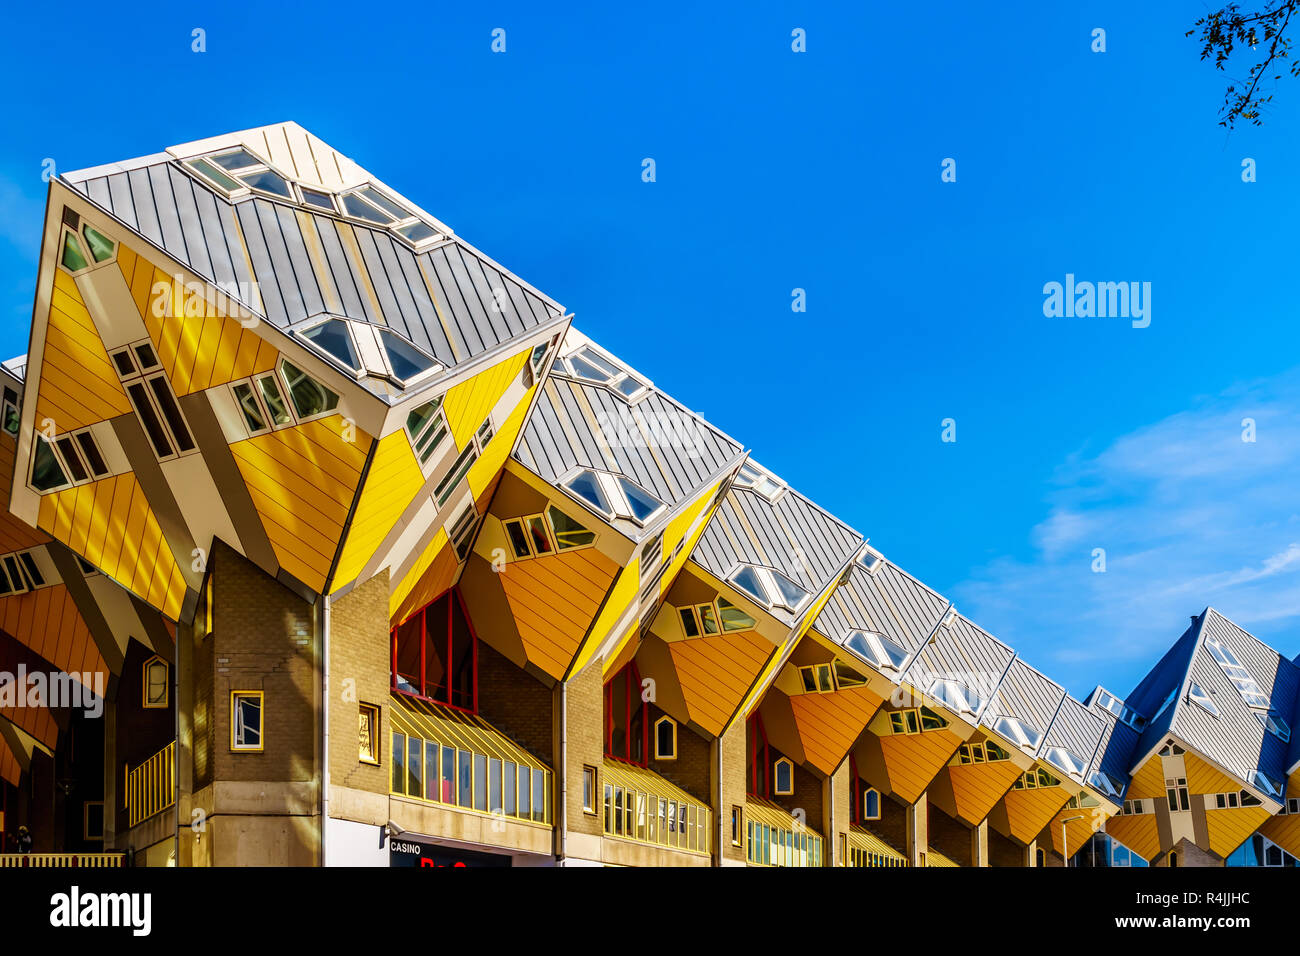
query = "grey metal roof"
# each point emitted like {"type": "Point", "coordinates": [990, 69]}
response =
{"type": "Point", "coordinates": [1235, 739]}
{"type": "Point", "coordinates": [1114, 752]}
{"type": "Point", "coordinates": [441, 299]}
{"type": "Point", "coordinates": [579, 424]}
{"type": "Point", "coordinates": [964, 651]}
{"type": "Point", "coordinates": [889, 601]}
{"type": "Point", "coordinates": [792, 534]}
{"type": "Point", "coordinates": [1077, 729]}
{"type": "Point", "coordinates": [1027, 695]}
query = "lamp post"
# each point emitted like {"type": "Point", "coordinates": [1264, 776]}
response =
{"type": "Point", "coordinates": [1065, 841]}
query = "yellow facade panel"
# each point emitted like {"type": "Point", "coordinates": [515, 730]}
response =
{"type": "Point", "coordinates": [715, 672]}
{"type": "Point", "coordinates": [830, 723]}
{"type": "Point", "coordinates": [1028, 811]}
{"type": "Point", "coordinates": [913, 760]}
{"type": "Point", "coordinates": [978, 787]}
{"type": "Point", "coordinates": [1139, 832]}
{"type": "Point", "coordinates": [393, 481]}
{"type": "Point", "coordinates": [466, 405]}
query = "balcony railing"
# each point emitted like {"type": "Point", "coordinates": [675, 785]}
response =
{"type": "Point", "coordinates": [642, 806]}
{"type": "Point", "coordinates": [151, 787]}
{"type": "Point", "coordinates": [61, 860]}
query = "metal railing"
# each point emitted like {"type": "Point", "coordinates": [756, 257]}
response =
{"type": "Point", "coordinates": [61, 860]}
{"type": "Point", "coordinates": [151, 787]}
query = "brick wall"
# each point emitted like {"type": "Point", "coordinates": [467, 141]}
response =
{"type": "Point", "coordinates": [360, 657]}
{"type": "Point", "coordinates": [691, 770]}
{"type": "Point", "coordinates": [141, 732]}
{"type": "Point", "coordinates": [516, 703]}
{"type": "Point", "coordinates": [731, 787]}
{"type": "Point", "coordinates": [585, 706]}
{"type": "Point", "coordinates": [950, 837]}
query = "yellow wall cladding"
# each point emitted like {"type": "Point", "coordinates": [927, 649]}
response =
{"type": "Point", "coordinates": [715, 672]}
{"type": "Point", "coordinates": [302, 481]}
{"type": "Point", "coordinates": [15, 535]}
{"type": "Point", "coordinates": [620, 598]}
{"type": "Point", "coordinates": [977, 787]}
{"type": "Point", "coordinates": [393, 481]}
{"type": "Point", "coordinates": [1147, 783]}
{"type": "Point", "coordinates": [110, 524]}
{"type": "Point", "coordinates": [913, 760]}
{"type": "Point", "coordinates": [1284, 829]}
{"type": "Point", "coordinates": [1227, 828]}
{"type": "Point", "coordinates": [555, 600]}
{"type": "Point", "coordinates": [78, 385]}
{"type": "Point", "coordinates": [830, 723]}
{"type": "Point", "coordinates": [467, 404]}
{"type": "Point", "coordinates": [47, 621]}
{"type": "Point", "coordinates": [1077, 831]}
{"type": "Point", "coordinates": [1028, 811]}
{"type": "Point", "coordinates": [197, 351]}
{"type": "Point", "coordinates": [432, 574]}
{"type": "Point", "coordinates": [1138, 831]}
{"type": "Point", "coordinates": [483, 473]}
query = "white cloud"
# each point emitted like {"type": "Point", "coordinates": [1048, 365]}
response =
{"type": "Point", "coordinates": [1189, 515]}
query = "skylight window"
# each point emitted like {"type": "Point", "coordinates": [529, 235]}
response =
{"type": "Point", "coordinates": [1133, 719]}
{"type": "Point", "coordinates": [1018, 732]}
{"type": "Point", "coordinates": [1106, 784]}
{"type": "Point", "coordinates": [332, 338]}
{"type": "Point", "coordinates": [753, 477]}
{"type": "Point", "coordinates": [1063, 759]}
{"type": "Point", "coordinates": [614, 496]}
{"type": "Point", "coordinates": [321, 200]}
{"type": "Point", "coordinates": [956, 696]}
{"type": "Point", "coordinates": [586, 363]}
{"type": "Point", "coordinates": [406, 361]}
{"type": "Point", "coordinates": [870, 560]}
{"type": "Point", "coordinates": [769, 586]}
{"type": "Point", "coordinates": [1262, 781]}
{"type": "Point", "coordinates": [1250, 691]}
{"type": "Point", "coordinates": [1274, 724]}
{"type": "Point", "coordinates": [1109, 701]}
{"type": "Point", "coordinates": [877, 650]}
{"type": "Point", "coordinates": [1197, 695]}
{"type": "Point", "coordinates": [370, 205]}
{"type": "Point", "coordinates": [235, 170]}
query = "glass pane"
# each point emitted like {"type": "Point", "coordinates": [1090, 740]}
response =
{"type": "Point", "coordinates": [414, 766]}
{"type": "Point", "coordinates": [586, 486]}
{"type": "Point", "coordinates": [420, 417]}
{"type": "Point", "coordinates": [274, 400]}
{"type": "Point", "coordinates": [268, 181]}
{"type": "Point", "coordinates": [509, 789]}
{"type": "Point", "coordinates": [172, 412]}
{"type": "Point", "coordinates": [688, 622]}
{"type": "Point", "coordinates": [431, 777]}
{"type": "Point", "coordinates": [248, 405]}
{"type": "Point", "coordinates": [416, 232]}
{"type": "Point", "coordinates": [215, 174]}
{"type": "Point", "coordinates": [399, 763]}
{"type": "Point", "coordinates": [149, 418]}
{"type": "Point", "coordinates": [234, 159]}
{"type": "Point", "coordinates": [406, 360]}
{"type": "Point", "coordinates": [383, 202]}
{"type": "Point", "coordinates": [319, 200]}
{"type": "Point", "coordinates": [526, 792]}
{"type": "Point", "coordinates": [494, 786]}
{"type": "Point", "coordinates": [733, 618]}
{"type": "Point", "coordinates": [309, 396]}
{"type": "Point", "coordinates": [708, 619]}
{"type": "Point", "coordinates": [568, 533]}
{"type": "Point", "coordinates": [539, 795]}
{"type": "Point", "coordinates": [101, 247]}
{"type": "Point", "coordinates": [480, 782]}
{"type": "Point", "coordinates": [747, 580]}
{"type": "Point", "coordinates": [71, 458]}
{"type": "Point", "coordinates": [518, 539]}
{"type": "Point", "coordinates": [790, 592]}
{"type": "Point", "coordinates": [464, 786]}
{"type": "Point", "coordinates": [47, 473]}
{"type": "Point", "coordinates": [332, 338]}
{"type": "Point", "coordinates": [537, 535]}
{"type": "Point", "coordinates": [642, 504]}
{"type": "Point", "coordinates": [74, 259]}
{"type": "Point", "coordinates": [448, 773]}
{"type": "Point", "coordinates": [353, 205]}
{"type": "Point", "coordinates": [585, 369]}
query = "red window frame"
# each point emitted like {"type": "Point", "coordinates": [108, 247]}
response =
{"type": "Point", "coordinates": [451, 595]}
{"type": "Point", "coordinates": [857, 791]}
{"type": "Point", "coordinates": [631, 687]}
{"type": "Point", "coordinates": [759, 783]}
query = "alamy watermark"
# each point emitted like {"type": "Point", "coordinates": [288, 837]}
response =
{"type": "Point", "coordinates": [670, 429]}
{"type": "Point", "coordinates": [1103, 300]}
{"type": "Point", "coordinates": [58, 689]}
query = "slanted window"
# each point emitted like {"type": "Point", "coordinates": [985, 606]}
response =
{"type": "Point", "coordinates": [593, 366]}
{"type": "Point", "coordinates": [156, 686]}
{"type": "Point", "coordinates": [153, 400]}
{"type": "Point", "coordinates": [405, 361]}
{"type": "Point", "coordinates": [462, 531]}
{"type": "Point", "coordinates": [665, 738]}
{"type": "Point", "coordinates": [1109, 701]}
{"type": "Point", "coordinates": [877, 650]}
{"type": "Point", "coordinates": [758, 479]}
{"type": "Point", "coordinates": [769, 586]}
{"type": "Point", "coordinates": [1063, 759]}
{"type": "Point", "coordinates": [1262, 781]}
{"type": "Point", "coordinates": [368, 733]}
{"type": "Point", "coordinates": [309, 397]}
{"type": "Point", "coordinates": [84, 247]}
{"type": "Point", "coordinates": [737, 826]}
{"type": "Point", "coordinates": [533, 536]}
{"type": "Point", "coordinates": [1106, 784]}
{"type": "Point", "coordinates": [235, 171]}
{"type": "Point", "coordinates": [333, 339]}
{"type": "Point", "coordinates": [915, 720]}
{"type": "Point", "coordinates": [957, 696]}
{"type": "Point", "coordinates": [614, 496]}
{"type": "Point", "coordinates": [1035, 780]}
{"type": "Point", "coordinates": [1198, 695]}
{"type": "Point", "coordinates": [246, 715]}
{"type": "Point", "coordinates": [317, 198]}
{"type": "Point", "coordinates": [427, 427]}
{"type": "Point", "coordinates": [371, 205]}
{"type": "Point", "coordinates": [817, 678]}
{"type": "Point", "coordinates": [1274, 724]}
{"type": "Point", "coordinates": [716, 617]}
{"type": "Point", "coordinates": [1250, 691]}
{"type": "Point", "coordinates": [19, 573]}
{"type": "Point", "coordinates": [47, 472]}
{"type": "Point", "coordinates": [10, 419]}
{"type": "Point", "coordinates": [1019, 732]}
{"type": "Point", "coordinates": [1133, 719]}
{"type": "Point", "coordinates": [783, 777]}
{"type": "Point", "coordinates": [871, 560]}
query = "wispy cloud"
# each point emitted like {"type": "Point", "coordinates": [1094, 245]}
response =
{"type": "Point", "coordinates": [1188, 515]}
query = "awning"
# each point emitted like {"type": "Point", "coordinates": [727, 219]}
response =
{"type": "Point", "coordinates": [421, 718]}
{"type": "Point", "coordinates": [867, 849]}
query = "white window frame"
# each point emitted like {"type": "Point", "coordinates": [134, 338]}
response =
{"type": "Point", "coordinates": [759, 480]}
{"type": "Point", "coordinates": [956, 696]}
{"type": "Point", "coordinates": [244, 188]}
{"type": "Point", "coordinates": [1274, 724]}
{"type": "Point", "coordinates": [774, 597]}
{"type": "Point", "coordinates": [613, 491]}
{"type": "Point", "coordinates": [1065, 761]}
{"type": "Point", "coordinates": [1198, 695]}
{"type": "Point", "coordinates": [22, 573]}
{"type": "Point", "coordinates": [878, 642]}
{"type": "Point", "coordinates": [1019, 731]}
{"type": "Point", "coordinates": [396, 224]}
{"type": "Point", "coordinates": [871, 560]}
{"type": "Point", "coordinates": [1246, 685]}
{"type": "Point", "coordinates": [612, 382]}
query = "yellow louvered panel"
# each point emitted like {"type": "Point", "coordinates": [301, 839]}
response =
{"type": "Point", "coordinates": [830, 723]}
{"type": "Point", "coordinates": [1028, 811]}
{"type": "Point", "coordinates": [78, 385]}
{"type": "Point", "coordinates": [977, 788]}
{"type": "Point", "coordinates": [715, 672]}
{"type": "Point", "coordinates": [467, 404]}
{"type": "Point", "coordinates": [302, 481]}
{"type": "Point", "coordinates": [483, 473]}
{"type": "Point", "coordinates": [110, 524]}
{"type": "Point", "coordinates": [197, 351]}
{"type": "Point", "coordinates": [393, 481]}
{"type": "Point", "coordinates": [913, 760]}
{"type": "Point", "coordinates": [1148, 782]}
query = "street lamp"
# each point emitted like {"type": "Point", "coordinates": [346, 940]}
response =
{"type": "Point", "coordinates": [1065, 842]}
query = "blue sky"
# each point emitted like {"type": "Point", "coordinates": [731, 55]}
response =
{"type": "Point", "coordinates": [821, 171]}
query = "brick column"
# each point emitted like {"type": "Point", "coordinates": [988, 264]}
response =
{"type": "Point", "coordinates": [918, 830]}
{"type": "Point", "coordinates": [979, 844]}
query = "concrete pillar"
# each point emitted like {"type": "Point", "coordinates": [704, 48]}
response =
{"type": "Point", "coordinates": [835, 816]}
{"type": "Point", "coordinates": [727, 790]}
{"type": "Point", "coordinates": [111, 773]}
{"type": "Point", "coordinates": [918, 831]}
{"type": "Point", "coordinates": [979, 844]}
{"type": "Point", "coordinates": [1031, 853]}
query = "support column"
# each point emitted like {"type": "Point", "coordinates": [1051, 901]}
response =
{"type": "Point", "coordinates": [727, 789]}
{"type": "Point", "coordinates": [579, 709]}
{"type": "Point", "coordinates": [1031, 853]}
{"type": "Point", "coordinates": [979, 844]}
{"type": "Point", "coordinates": [835, 816]}
{"type": "Point", "coordinates": [111, 774]}
{"type": "Point", "coordinates": [918, 830]}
